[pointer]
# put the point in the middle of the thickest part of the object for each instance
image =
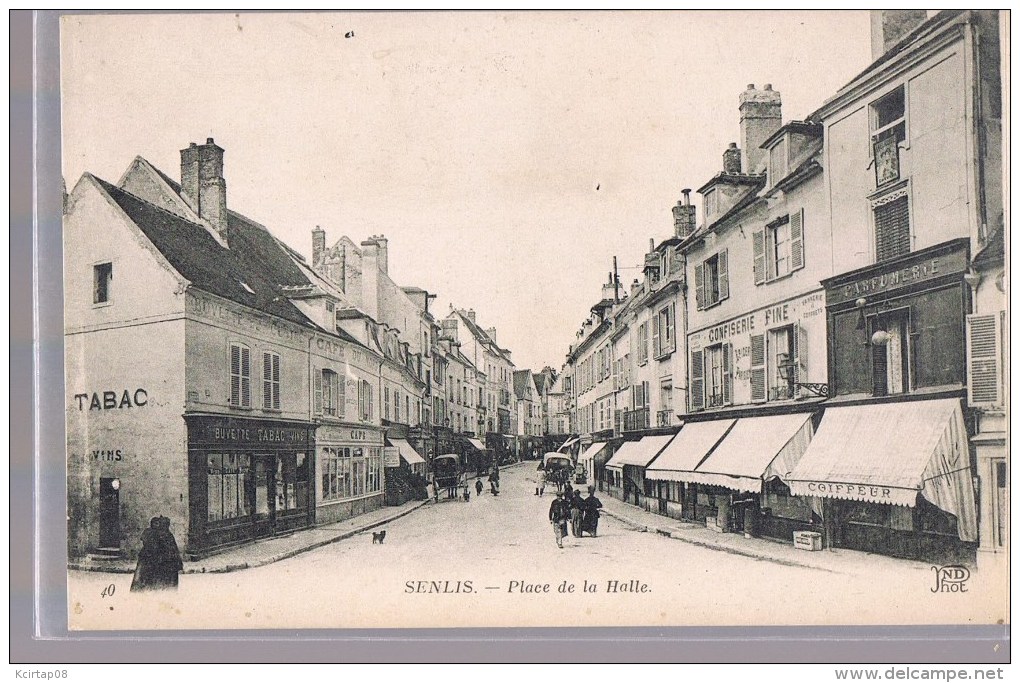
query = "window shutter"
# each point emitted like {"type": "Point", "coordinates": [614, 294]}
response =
{"type": "Point", "coordinates": [656, 334]}
{"type": "Point", "coordinates": [727, 364]}
{"type": "Point", "coordinates": [245, 377]}
{"type": "Point", "coordinates": [984, 334]}
{"type": "Point", "coordinates": [697, 380]}
{"type": "Point", "coordinates": [797, 240]}
{"type": "Point", "coordinates": [267, 380]}
{"type": "Point", "coordinates": [317, 390]}
{"type": "Point", "coordinates": [699, 285]}
{"type": "Point", "coordinates": [892, 228]}
{"type": "Point", "coordinates": [800, 356]}
{"type": "Point", "coordinates": [671, 327]}
{"type": "Point", "coordinates": [724, 275]}
{"type": "Point", "coordinates": [235, 375]}
{"type": "Point", "coordinates": [276, 382]}
{"type": "Point", "coordinates": [758, 242]}
{"type": "Point", "coordinates": [758, 391]}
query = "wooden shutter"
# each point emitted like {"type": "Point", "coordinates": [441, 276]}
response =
{"type": "Point", "coordinates": [758, 242]}
{"type": "Point", "coordinates": [727, 365]}
{"type": "Point", "coordinates": [317, 390]}
{"type": "Point", "coordinates": [758, 389]}
{"type": "Point", "coordinates": [697, 380]}
{"type": "Point", "coordinates": [892, 228]}
{"type": "Point", "coordinates": [267, 380]}
{"type": "Point", "coordinates": [245, 377]}
{"type": "Point", "coordinates": [797, 240]}
{"type": "Point", "coordinates": [699, 285]}
{"type": "Point", "coordinates": [984, 336]}
{"type": "Point", "coordinates": [235, 375]}
{"type": "Point", "coordinates": [656, 334]}
{"type": "Point", "coordinates": [800, 357]}
{"type": "Point", "coordinates": [724, 275]}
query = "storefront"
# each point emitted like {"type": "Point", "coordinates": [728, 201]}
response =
{"type": "Point", "coordinates": [247, 479]}
{"type": "Point", "coordinates": [625, 471]}
{"type": "Point", "coordinates": [350, 471]}
{"type": "Point", "coordinates": [893, 478]}
{"type": "Point", "coordinates": [678, 496]}
{"type": "Point", "coordinates": [587, 460]}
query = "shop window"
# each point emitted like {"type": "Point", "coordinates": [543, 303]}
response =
{"type": "Point", "coordinates": [890, 353]}
{"type": "Point", "coordinates": [780, 503]}
{"type": "Point", "coordinates": [934, 520]}
{"type": "Point", "coordinates": [779, 248]}
{"type": "Point", "coordinates": [711, 280]}
{"type": "Point", "coordinates": [712, 377]}
{"type": "Point", "coordinates": [102, 279]}
{"type": "Point", "coordinates": [270, 381]}
{"type": "Point", "coordinates": [228, 491]}
{"type": "Point", "coordinates": [892, 226]}
{"type": "Point", "coordinates": [240, 376]}
{"type": "Point", "coordinates": [663, 331]}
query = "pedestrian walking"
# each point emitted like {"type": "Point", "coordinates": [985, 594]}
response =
{"type": "Point", "coordinates": [479, 486]}
{"type": "Point", "coordinates": [576, 513]}
{"type": "Point", "coordinates": [559, 513]}
{"type": "Point", "coordinates": [159, 561]}
{"type": "Point", "coordinates": [591, 512]}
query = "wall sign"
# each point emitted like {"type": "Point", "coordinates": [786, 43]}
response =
{"type": "Point", "coordinates": [112, 400]}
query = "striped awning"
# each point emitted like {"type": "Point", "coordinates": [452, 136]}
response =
{"type": "Point", "coordinates": [688, 449]}
{"type": "Point", "coordinates": [569, 442]}
{"type": "Point", "coordinates": [639, 453]}
{"type": "Point", "coordinates": [755, 450]}
{"type": "Point", "coordinates": [477, 444]}
{"type": "Point", "coordinates": [890, 452]}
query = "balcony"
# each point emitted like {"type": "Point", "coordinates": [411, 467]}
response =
{"type": "Point", "coordinates": [634, 420]}
{"type": "Point", "coordinates": [663, 418]}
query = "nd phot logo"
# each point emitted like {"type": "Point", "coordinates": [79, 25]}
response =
{"type": "Point", "coordinates": [950, 579]}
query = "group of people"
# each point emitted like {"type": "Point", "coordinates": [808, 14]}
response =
{"type": "Point", "coordinates": [581, 513]}
{"type": "Point", "coordinates": [479, 487]}
{"type": "Point", "coordinates": [159, 561]}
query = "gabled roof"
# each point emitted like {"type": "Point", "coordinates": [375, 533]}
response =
{"type": "Point", "coordinates": [540, 382]}
{"type": "Point", "coordinates": [521, 379]}
{"type": "Point", "coordinates": [246, 273]}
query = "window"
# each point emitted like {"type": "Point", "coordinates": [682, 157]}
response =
{"type": "Point", "coordinates": [407, 407]}
{"type": "Point", "coordinates": [396, 406]}
{"type": "Point", "coordinates": [328, 394]}
{"type": "Point", "coordinates": [892, 225]}
{"type": "Point", "coordinates": [102, 278]}
{"type": "Point", "coordinates": [270, 381]}
{"type": "Point", "coordinates": [782, 363]}
{"type": "Point", "coordinates": [640, 395]}
{"type": "Point", "coordinates": [291, 482]}
{"type": "Point", "coordinates": [386, 403]}
{"type": "Point", "coordinates": [777, 162]}
{"type": "Point", "coordinates": [711, 377]}
{"type": "Point", "coordinates": [365, 400]}
{"type": "Point", "coordinates": [240, 376]}
{"type": "Point", "coordinates": [985, 359]}
{"type": "Point", "coordinates": [779, 248]}
{"type": "Point", "coordinates": [663, 332]}
{"type": "Point", "coordinates": [228, 493]}
{"type": "Point", "coordinates": [711, 202]}
{"type": "Point", "coordinates": [642, 343]}
{"type": "Point", "coordinates": [711, 280]}
{"type": "Point", "coordinates": [890, 357]}
{"type": "Point", "coordinates": [888, 131]}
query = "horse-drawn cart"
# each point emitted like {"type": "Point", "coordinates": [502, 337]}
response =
{"type": "Point", "coordinates": [448, 476]}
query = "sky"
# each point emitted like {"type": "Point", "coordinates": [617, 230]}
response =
{"type": "Point", "coordinates": [507, 157]}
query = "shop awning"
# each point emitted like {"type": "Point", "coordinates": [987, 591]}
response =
{"type": "Point", "coordinates": [639, 453]}
{"type": "Point", "coordinates": [569, 442]}
{"type": "Point", "coordinates": [477, 444]}
{"type": "Point", "coordinates": [890, 452]}
{"type": "Point", "coordinates": [591, 451]}
{"type": "Point", "coordinates": [755, 450]}
{"type": "Point", "coordinates": [688, 449]}
{"type": "Point", "coordinates": [407, 452]}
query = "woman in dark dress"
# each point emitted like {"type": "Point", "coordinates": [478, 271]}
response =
{"type": "Point", "coordinates": [159, 561]}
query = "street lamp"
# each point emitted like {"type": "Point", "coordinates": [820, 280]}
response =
{"type": "Point", "coordinates": [786, 366]}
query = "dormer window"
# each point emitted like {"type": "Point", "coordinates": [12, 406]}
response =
{"type": "Point", "coordinates": [711, 203]}
{"type": "Point", "coordinates": [778, 161]}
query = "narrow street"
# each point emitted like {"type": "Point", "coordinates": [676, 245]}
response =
{"type": "Point", "coordinates": [493, 561]}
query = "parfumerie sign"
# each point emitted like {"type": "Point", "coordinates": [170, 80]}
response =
{"type": "Point", "coordinates": [880, 281]}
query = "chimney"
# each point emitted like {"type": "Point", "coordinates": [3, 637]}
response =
{"type": "Point", "coordinates": [685, 215]}
{"type": "Point", "coordinates": [318, 245]}
{"type": "Point", "coordinates": [609, 289]}
{"type": "Point", "coordinates": [384, 253]}
{"type": "Point", "coordinates": [889, 27]}
{"type": "Point", "coordinates": [731, 159]}
{"type": "Point", "coordinates": [760, 116]}
{"type": "Point", "coordinates": [470, 314]}
{"type": "Point", "coordinates": [492, 334]}
{"type": "Point", "coordinates": [202, 182]}
{"type": "Point", "coordinates": [635, 286]}
{"type": "Point", "coordinates": [370, 278]}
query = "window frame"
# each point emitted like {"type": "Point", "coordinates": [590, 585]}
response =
{"type": "Point", "coordinates": [96, 303]}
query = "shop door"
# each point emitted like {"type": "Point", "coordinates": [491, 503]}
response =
{"type": "Point", "coordinates": [109, 513]}
{"type": "Point", "coordinates": [265, 495]}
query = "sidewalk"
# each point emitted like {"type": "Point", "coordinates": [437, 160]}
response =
{"type": "Point", "coordinates": [269, 550]}
{"type": "Point", "coordinates": [837, 560]}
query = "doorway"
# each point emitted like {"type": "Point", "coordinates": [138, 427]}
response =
{"type": "Point", "coordinates": [109, 512]}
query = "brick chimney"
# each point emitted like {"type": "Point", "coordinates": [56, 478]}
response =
{"type": "Point", "coordinates": [685, 215]}
{"type": "Point", "coordinates": [889, 27]}
{"type": "Point", "coordinates": [492, 334]}
{"type": "Point", "coordinates": [318, 246]}
{"type": "Point", "coordinates": [470, 315]}
{"type": "Point", "coordinates": [760, 116]}
{"type": "Point", "coordinates": [731, 159]}
{"type": "Point", "coordinates": [384, 253]}
{"type": "Point", "coordinates": [202, 182]}
{"type": "Point", "coordinates": [370, 278]}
